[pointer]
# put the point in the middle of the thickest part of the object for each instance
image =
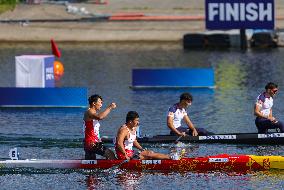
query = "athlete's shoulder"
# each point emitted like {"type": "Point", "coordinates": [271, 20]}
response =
{"type": "Point", "coordinates": [122, 128]}
{"type": "Point", "coordinates": [89, 112]}
{"type": "Point", "coordinates": [261, 98]}
{"type": "Point", "coordinates": [173, 108]}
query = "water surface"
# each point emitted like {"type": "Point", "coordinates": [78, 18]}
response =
{"type": "Point", "coordinates": [106, 69]}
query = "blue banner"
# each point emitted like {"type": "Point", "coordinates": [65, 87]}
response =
{"type": "Point", "coordinates": [43, 97]}
{"type": "Point", "coordinates": [173, 78]}
{"type": "Point", "coordinates": [239, 14]}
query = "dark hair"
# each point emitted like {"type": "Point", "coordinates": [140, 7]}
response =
{"type": "Point", "coordinates": [185, 96]}
{"type": "Point", "coordinates": [271, 85]}
{"type": "Point", "coordinates": [131, 115]}
{"type": "Point", "coordinates": [94, 98]}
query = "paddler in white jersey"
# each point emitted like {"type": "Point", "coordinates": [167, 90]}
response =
{"type": "Point", "coordinates": [126, 139]}
{"type": "Point", "coordinates": [177, 113]}
{"type": "Point", "coordinates": [263, 110]}
{"type": "Point", "coordinates": [92, 141]}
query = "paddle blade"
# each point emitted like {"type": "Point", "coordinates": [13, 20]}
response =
{"type": "Point", "coordinates": [54, 48]}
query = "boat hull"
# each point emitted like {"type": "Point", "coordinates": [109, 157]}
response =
{"type": "Point", "coordinates": [224, 162]}
{"type": "Point", "coordinates": [239, 138]}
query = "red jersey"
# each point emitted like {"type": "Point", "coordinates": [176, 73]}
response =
{"type": "Point", "coordinates": [92, 132]}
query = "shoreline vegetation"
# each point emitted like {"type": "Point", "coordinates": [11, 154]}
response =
{"type": "Point", "coordinates": [8, 5]}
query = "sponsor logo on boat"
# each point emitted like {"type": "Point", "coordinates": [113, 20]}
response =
{"type": "Point", "coordinates": [151, 161]}
{"type": "Point", "coordinates": [218, 160]}
{"type": "Point", "coordinates": [272, 135]}
{"type": "Point", "coordinates": [217, 137]}
{"type": "Point", "coordinates": [89, 162]}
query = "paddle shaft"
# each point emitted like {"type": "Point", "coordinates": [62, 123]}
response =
{"type": "Point", "coordinates": [177, 140]}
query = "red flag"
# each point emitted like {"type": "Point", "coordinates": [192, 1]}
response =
{"type": "Point", "coordinates": [55, 50]}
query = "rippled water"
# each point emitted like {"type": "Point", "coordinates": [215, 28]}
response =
{"type": "Point", "coordinates": [106, 69]}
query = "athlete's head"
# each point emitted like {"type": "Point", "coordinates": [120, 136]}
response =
{"type": "Point", "coordinates": [96, 101]}
{"type": "Point", "coordinates": [185, 99]}
{"type": "Point", "coordinates": [132, 118]}
{"type": "Point", "coordinates": [271, 88]}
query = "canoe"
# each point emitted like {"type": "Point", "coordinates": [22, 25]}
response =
{"type": "Point", "coordinates": [236, 138]}
{"type": "Point", "coordinates": [222, 162]}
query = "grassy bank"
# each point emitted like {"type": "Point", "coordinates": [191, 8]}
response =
{"type": "Point", "coordinates": [6, 5]}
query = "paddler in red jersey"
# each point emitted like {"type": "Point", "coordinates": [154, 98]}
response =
{"type": "Point", "coordinates": [92, 142]}
{"type": "Point", "coordinates": [126, 139]}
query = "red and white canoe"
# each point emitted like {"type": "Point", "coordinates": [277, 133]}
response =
{"type": "Point", "coordinates": [223, 162]}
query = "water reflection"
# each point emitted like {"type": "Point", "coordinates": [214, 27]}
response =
{"type": "Point", "coordinates": [269, 150]}
{"type": "Point", "coordinates": [92, 182]}
{"type": "Point", "coordinates": [124, 179]}
{"type": "Point", "coordinates": [230, 74]}
{"type": "Point", "coordinates": [129, 180]}
{"type": "Point", "coordinates": [267, 179]}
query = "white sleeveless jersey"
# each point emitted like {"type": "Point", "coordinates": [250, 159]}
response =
{"type": "Point", "coordinates": [177, 114]}
{"type": "Point", "coordinates": [265, 103]}
{"type": "Point", "coordinates": [128, 144]}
